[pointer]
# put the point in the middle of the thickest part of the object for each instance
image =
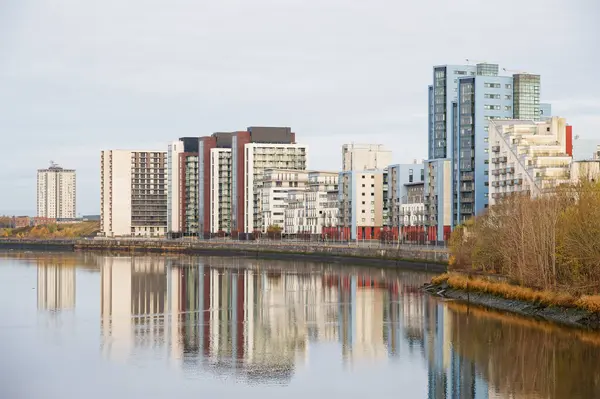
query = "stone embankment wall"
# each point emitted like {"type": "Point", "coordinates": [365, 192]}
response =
{"type": "Point", "coordinates": [384, 255]}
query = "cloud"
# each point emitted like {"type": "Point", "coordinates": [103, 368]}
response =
{"type": "Point", "coordinates": [78, 76]}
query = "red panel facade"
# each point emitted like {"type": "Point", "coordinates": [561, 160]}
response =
{"type": "Point", "coordinates": [569, 140]}
{"type": "Point", "coordinates": [243, 138]}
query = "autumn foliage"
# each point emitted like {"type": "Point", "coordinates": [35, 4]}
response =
{"type": "Point", "coordinates": [51, 231]}
{"type": "Point", "coordinates": [549, 243]}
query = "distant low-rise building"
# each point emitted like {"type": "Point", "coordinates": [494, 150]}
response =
{"type": "Point", "coordinates": [21, 221]}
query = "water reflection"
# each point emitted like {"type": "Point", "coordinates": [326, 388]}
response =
{"type": "Point", "coordinates": [251, 322]}
{"type": "Point", "coordinates": [55, 287]}
{"type": "Point", "coordinates": [259, 321]}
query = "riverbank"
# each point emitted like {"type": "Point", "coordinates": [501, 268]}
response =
{"type": "Point", "coordinates": [561, 308]}
{"type": "Point", "coordinates": [421, 259]}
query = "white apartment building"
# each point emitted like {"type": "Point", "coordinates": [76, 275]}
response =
{"type": "Point", "coordinates": [309, 212]}
{"type": "Point", "coordinates": [321, 212]}
{"type": "Point", "coordinates": [260, 157]}
{"type": "Point", "coordinates": [133, 193]}
{"type": "Point", "coordinates": [220, 192]}
{"type": "Point", "coordinates": [412, 209]}
{"type": "Point", "coordinates": [275, 187]}
{"type": "Point", "coordinates": [527, 157]}
{"type": "Point", "coordinates": [295, 214]}
{"type": "Point", "coordinates": [360, 204]}
{"type": "Point", "coordinates": [56, 193]}
{"type": "Point", "coordinates": [365, 157]}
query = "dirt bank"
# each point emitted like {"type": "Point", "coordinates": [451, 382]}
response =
{"type": "Point", "coordinates": [569, 316]}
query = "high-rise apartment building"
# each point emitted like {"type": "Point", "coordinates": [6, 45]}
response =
{"type": "Point", "coordinates": [462, 99]}
{"type": "Point", "coordinates": [401, 179]}
{"type": "Point", "coordinates": [253, 151]}
{"type": "Point", "coordinates": [182, 186]}
{"type": "Point", "coordinates": [56, 196]}
{"type": "Point", "coordinates": [365, 157]}
{"type": "Point", "coordinates": [220, 192]}
{"type": "Point", "coordinates": [133, 193]}
{"type": "Point", "coordinates": [480, 98]}
{"type": "Point", "coordinates": [211, 149]}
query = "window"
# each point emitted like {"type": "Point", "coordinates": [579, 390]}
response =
{"type": "Point", "coordinates": [363, 194]}
{"type": "Point", "coordinates": [507, 108]}
{"type": "Point", "coordinates": [363, 219]}
{"type": "Point", "coordinates": [492, 85]}
{"type": "Point", "coordinates": [363, 176]}
{"type": "Point", "coordinates": [363, 211]}
{"type": "Point", "coordinates": [508, 97]}
{"type": "Point", "coordinates": [363, 185]}
{"type": "Point", "coordinates": [372, 176]}
{"type": "Point", "coordinates": [508, 86]}
{"type": "Point", "coordinates": [363, 202]}
{"type": "Point", "coordinates": [372, 194]}
{"type": "Point", "coordinates": [372, 185]}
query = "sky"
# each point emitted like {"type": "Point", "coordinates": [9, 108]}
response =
{"type": "Point", "coordinates": [79, 76]}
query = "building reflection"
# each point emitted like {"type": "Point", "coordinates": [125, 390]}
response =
{"type": "Point", "coordinates": [254, 321]}
{"type": "Point", "coordinates": [55, 286]}
{"type": "Point", "coordinates": [133, 303]}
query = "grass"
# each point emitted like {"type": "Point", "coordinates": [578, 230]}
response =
{"type": "Point", "coordinates": [509, 291]}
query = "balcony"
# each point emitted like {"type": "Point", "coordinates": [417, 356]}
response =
{"type": "Point", "coordinates": [495, 148]}
{"type": "Point", "coordinates": [496, 172]}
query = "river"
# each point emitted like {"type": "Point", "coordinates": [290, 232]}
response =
{"type": "Point", "coordinates": [95, 326]}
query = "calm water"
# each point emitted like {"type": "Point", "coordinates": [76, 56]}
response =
{"type": "Point", "coordinates": [88, 326]}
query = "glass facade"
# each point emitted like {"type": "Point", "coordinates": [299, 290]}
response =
{"type": "Point", "coordinates": [526, 96]}
{"type": "Point", "coordinates": [191, 195]}
{"type": "Point", "coordinates": [439, 113]}
{"type": "Point", "coordinates": [202, 227]}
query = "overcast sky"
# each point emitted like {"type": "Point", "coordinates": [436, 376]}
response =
{"type": "Point", "coordinates": [78, 76]}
